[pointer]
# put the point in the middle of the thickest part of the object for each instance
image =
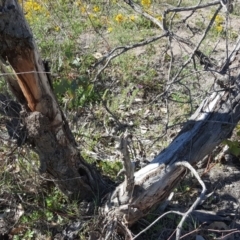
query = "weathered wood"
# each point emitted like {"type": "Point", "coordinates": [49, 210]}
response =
{"type": "Point", "coordinates": [19, 49]}
{"type": "Point", "coordinates": [47, 128]}
{"type": "Point", "coordinates": [213, 122]}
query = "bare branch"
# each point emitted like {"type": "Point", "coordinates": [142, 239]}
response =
{"type": "Point", "coordinates": [120, 50]}
{"type": "Point", "coordinates": [140, 11]}
{"type": "Point", "coordinates": [128, 166]}
{"type": "Point", "coordinates": [198, 200]}
{"type": "Point", "coordinates": [155, 221]}
{"type": "Point", "coordinates": [183, 9]}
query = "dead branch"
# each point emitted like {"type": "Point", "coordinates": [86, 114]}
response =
{"type": "Point", "coordinates": [192, 8]}
{"type": "Point", "coordinates": [128, 166]}
{"type": "Point", "coordinates": [198, 200]}
{"type": "Point", "coordinates": [122, 49]}
{"type": "Point", "coordinates": [218, 114]}
{"type": "Point", "coordinates": [140, 11]}
{"type": "Point", "coordinates": [155, 221]}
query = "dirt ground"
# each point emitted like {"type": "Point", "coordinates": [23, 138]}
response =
{"type": "Point", "coordinates": [218, 216]}
{"type": "Point", "coordinates": [223, 180]}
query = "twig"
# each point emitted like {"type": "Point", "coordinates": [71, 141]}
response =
{"type": "Point", "coordinates": [199, 43]}
{"type": "Point", "coordinates": [189, 233]}
{"type": "Point", "coordinates": [163, 215]}
{"type": "Point", "coordinates": [96, 29]}
{"type": "Point", "coordinates": [122, 49]}
{"type": "Point", "coordinates": [140, 11]}
{"type": "Point", "coordinates": [223, 231]}
{"type": "Point", "coordinates": [128, 166]}
{"type": "Point", "coordinates": [227, 235]}
{"type": "Point", "coordinates": [176, 37]}
{"type": "Point", "coordinates": [109, 111]}
{"type": "Point", "coordinates": [188, 16]}
{"type": "Point", "coordinates": [125, 229]}
{"type": "Point", "coordinates": [110, 228]}
{"type": "Point", "coordinates": [230, 58]}
{"type": "Point", "coordinates": [198, 200]}
{"type": "Point", "coordinates": [182, 9]}
{"type": "Point", "coordinates": [173, 15]}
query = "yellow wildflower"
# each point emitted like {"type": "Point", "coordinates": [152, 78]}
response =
{"type": "Point", "coordinates": [146, 3]}
{"type": "Point", "coordinates": [132, 18]}
{"type": "Point", "coordinates": [31, 7]}
{"type": "Point", "coordinates": [96, 9]}
{"type": "Point", "coordinates": [92, 16]}
{"type": "Point", "coordinates": [219, 19]}
{"type": "Point", "coordinates": [159, 18]}
{"type": "Point", "coordinates": [219, 28]}
{"type": "Point", "coordinates": [119, 18]}
{"type": "Point", "coordinates": [57, 28]}
{"type": "Point", "coordinates": [36, 7]}
{"type": "Point", "coordinates": [83, 9]}
{"type": "Point", "coordinates": [110, 29]}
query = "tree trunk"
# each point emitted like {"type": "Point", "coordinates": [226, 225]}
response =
{"type": "Point", "coordinates": [47, 129]}
{"type": "Point", "coordinates": [49, 133]}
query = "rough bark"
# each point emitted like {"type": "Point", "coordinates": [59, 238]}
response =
{"type": "Point", "coordinates": [47, 129]}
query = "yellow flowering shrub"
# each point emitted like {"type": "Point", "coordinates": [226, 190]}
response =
{"type": "Point", "coordinates": [132, 18]}
{"type": "Point", "coordinates": [110, 29]}
{"type": "Point", "coordinates": [219, 28]}
{"type": "Point", "coordinates": [219, 20]}
{"type": "Point", "coordinates": [83, 9]}
{"type": "Point", "coordinates": [57, 28]}
{"type": "Point", "coordinates": [96, 9]}
{"type": "Point", "coordinates": [31, 8]}
{"type": "Point", "coordinates": [146, 3]}
{"type": "Point", "coordinates": [119, 18]}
